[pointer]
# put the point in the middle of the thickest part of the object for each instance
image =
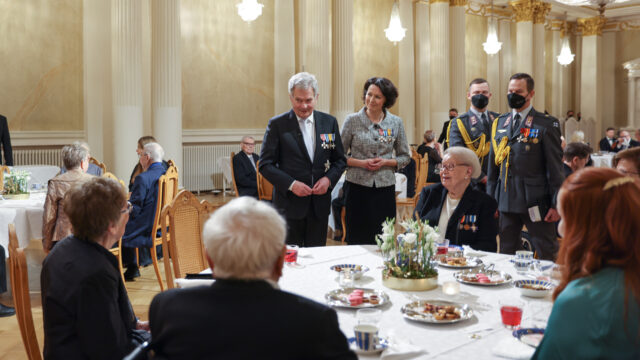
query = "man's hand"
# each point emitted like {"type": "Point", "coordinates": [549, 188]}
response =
{"type": "Point", "coordinates": [552, 215]}
{"type": "Point", "coordinates": [374, 164]}
{"type": "Point", "coordinates": [301, 189]}
{"type": "Point", "coordinates": [320, 188]}
{"type": "Point", "coordinates": [143, 325]}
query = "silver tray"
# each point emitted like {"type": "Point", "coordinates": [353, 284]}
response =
{"type": "Point", "coordinates": [461, 274]}
{"type": "Point", "coordinates": [339, 298]}
{"type": "Point", "coordinates": [415, 311]}
{"type": "Point", "coordinates": [471, 263]}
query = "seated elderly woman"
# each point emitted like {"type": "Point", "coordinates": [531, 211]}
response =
{"type": "Point", "coordinates": [464, 216]}
{"type": "Point", "coordinates": [628, 162]}
{"type": "Point", "coordinates": [244, 315]}
{"type": "Point", "coordinates": [86, 310]}
{"type": "Point", "coordinates": [596, 314]}
{"type": "Point", "coordinates": [55, 223]}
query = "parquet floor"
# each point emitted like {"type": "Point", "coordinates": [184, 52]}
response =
{"type": "Point", "coordinates": [141, 292]}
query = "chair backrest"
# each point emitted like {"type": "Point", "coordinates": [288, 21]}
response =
{"type": "Point", "coordinates": [112, 176]}
{"type": "Point", "coordinates": [265, 188]}
{"type": "Point", "coordinates": [184, 218]}
{"type": "Point", "coordinates": [167, 190]}
{"type": "Point", "coordinates": [417, 158]}
{"type": "Point", "coordinates": [101, 165]}
{"type": "Point", "coordinates": [170, 162]}
{"type": "Point", "coordinates": [233, 174]}
{"type": "Point", "coordinates": [422, 175]}
{"type": "Point", "coordinates": [3, 169]}
{"type": "Point", "coordinates": [21, 299]}
{"type": "Point", "coordinates": [208, 208]}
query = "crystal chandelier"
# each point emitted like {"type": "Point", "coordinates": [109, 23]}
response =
{"type": "Point", "coordinates": [249, 10]}
{"type": "Point", "coordinates": [395, 32]}
{"type": "Point", "coordinates": [492, 45]}
{"type": "Point", "coordinates": [566, 57]}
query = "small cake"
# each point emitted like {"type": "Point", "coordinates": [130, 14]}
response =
{"type": "Point", "coordinates": [355, 299]}
{"type": "Point", "coordinates": [374, 299]}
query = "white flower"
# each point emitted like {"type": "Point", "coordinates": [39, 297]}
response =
{"type": "Point", "coordinates": [410, 238]}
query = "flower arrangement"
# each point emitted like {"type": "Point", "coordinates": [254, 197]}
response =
{"type": "Point", "coordinates": [16, 182]}
{"type": "Point", "coordinates": [408, 255]}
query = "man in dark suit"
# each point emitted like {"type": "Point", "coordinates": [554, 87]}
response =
{"type": "Point", "coordinates": [575, 157]}
{"type": "Point", "coordinates": [453, 113]}
{"type": "Point", "coordinates": [5, 138]}
{"type": "Point", "coordinates": [610, 143]}
{"type": "Point", "coordinates": [144, 197]}
{"type": "Point", "coordinates": [244, 168]}
{"type": "Point", "coordinates": [525, 171]}
{"type": "Point", "coordinates": [626, 142]}
{"type": "Point", "coordinates": [473, 128]}
{"type": "Point", "coordinates": [243, 314]}
{"type": "Point", "coordinates": [302, 156]}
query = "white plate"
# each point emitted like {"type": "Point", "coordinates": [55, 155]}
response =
{"type": "Point", "coordinates": [382, 344]}
{"type": "Point", "coordinates": [357, 274]}
{"type": "Point", "coordinates": [340, 298]}
{"type": "Point", "coordinates": [415, 311]}
{"type": "Point", "coordinates": [548, 287]}
{"type": "Point", "coordinates": [460, 276]}
{"type": "Point", "coordinates": [471, 263]}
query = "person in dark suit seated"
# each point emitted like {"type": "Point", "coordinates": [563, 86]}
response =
{"type": "Point", "coordinates": [86, 310]}
{"type": "Point", "coordinates": [575, 157]}
{"type": "Point", "coordinates": [144, 197]}
{"type": "Point", "coordinates": [610, 142]}
{"type": "Point", "coordinates": [244, 168]}
{"type": "Point", "coordinates": [626, 142]}
{"type": "Point", "coordinates": [139, 150]}
{"type": "Point", "coordinates": [463, 215]}
{"type": "Point", "coordinates": [5, 139]}
{"type": "Point", "coordinates": [243, 314]}
{"type": "Point", "coordinates": [431, 148]}
{"type": "Point", "coordinates": [628, 162]}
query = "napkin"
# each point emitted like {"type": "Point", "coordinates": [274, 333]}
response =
{"type": "Point", "coordinates": [184, 283]}
{"type": "Point", "coordinates": [401, 350]}
{"type": "Point", "coordinates": [469, 251]}
{"type": "Point", "coordinates": [512, 348]}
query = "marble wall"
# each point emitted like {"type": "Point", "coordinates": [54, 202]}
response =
{"type": "Point", "coordinates": [41, 52]}
{"type": "Point", "coordinates": [476, 34]}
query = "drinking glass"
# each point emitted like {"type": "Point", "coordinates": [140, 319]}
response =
{"type": "Point", "coordinates": [368, 316]}
{"type": "Point", "coordinates": [443, 247]}
{"type": "Point", "coordinates": [511, 312]}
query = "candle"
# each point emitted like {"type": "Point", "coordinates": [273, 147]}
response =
{"type": "Point", "coordinates": [450, 287]}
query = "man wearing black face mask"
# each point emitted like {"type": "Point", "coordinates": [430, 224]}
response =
{"type": "Point", "coordinates": [473, 128]}
{"type": "Point", "coordinates": [453, 113]}
{"type": "Point", "coordinates": [525, 171]}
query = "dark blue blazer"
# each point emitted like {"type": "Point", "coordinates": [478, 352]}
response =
{"type": "Point", "coordinates": [144, 197]}
{"type": "Point", "coordinates": [245, 174]}
{"type": "Point", "coordinates": [473, 202]}
{"type": "Point", "coordinates": [284, 158]}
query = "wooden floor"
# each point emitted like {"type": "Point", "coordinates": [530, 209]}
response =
{"type": "Point", "coordinates": [141, 292]}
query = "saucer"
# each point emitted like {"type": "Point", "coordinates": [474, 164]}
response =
{"type": "Point", "coordinates": [383, 343]}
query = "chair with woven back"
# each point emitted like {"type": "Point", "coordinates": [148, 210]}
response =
{"type": "Point", "coordinates": [21, 297]}
{"type": "Point", "coordinates": [117, 251]}
{"type": "Point", "coordinates": [233, 174]}
{"type": "Point", "coordinates": [417, 158]}
{"type": "Point", "coordinates": [265, 188]}
{"type": "Point", "coordinates": [182, 222]}
{"type": "Point", "coordinates": [421, 182]}
{"type": "Point", "coordinates": [99, 164]}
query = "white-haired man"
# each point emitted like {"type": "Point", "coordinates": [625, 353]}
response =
{"type": "Point", "coordinates": [144, 196]}
{"type": "Point", "coordinates": [302, 156]}
{"type": "Point", "coordinates": [244, 168]}
{"type": "Point", "coordinates": [244, 315]}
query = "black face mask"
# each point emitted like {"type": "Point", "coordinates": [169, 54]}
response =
{"type": "Point", "coordinates": [480, 101]}
{"type": "Point", "coordinates": [451, 117]}
{"type": "Point", "coordinates": [516, 101]}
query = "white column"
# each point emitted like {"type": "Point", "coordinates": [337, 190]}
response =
{"type": "Point", "coordinates": [591, 93]}
{"type": "Point", "coordinates": [457, 56]}
{"type": "Point", "coordinates": [608, 79]}
{"type": "Point", "coordinates": [493, 71]}
{"type": "Point", "coordinates": [284, 44]}
{"type": "Point", "coordinates": [126, 27]}
{"type": "Point", "coordinates": [556, 77]}
{"type": "Point", "coordinates": [577, 75]}
{"type": "Point", "coordinates": [538, 67]}
{"type": "Point", "coordinates": [631, 99]}
{"type": "Point", "coordinates": [317, 48]}
{"type": "Point", "coordinates": [96, 40]}
{"type": "Point", "coordinates": [342, 102]}
{"type": "Point", "coordinates": [439, 66]}
{"type": "Point", "coordinates": [406, 72]}
{"type": "Point", "coordinates": [633, 93]}
{"type": "Point", "coordinates": [499, 99]}
{"type": "Point", "coordinates": [166, 78]}
{"type": "Point", "coordinates": [422, 69]}
{"type": "Point", "coordinates": [523, 11]}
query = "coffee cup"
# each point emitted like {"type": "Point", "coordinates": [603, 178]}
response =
{"type": "Point", "coordinates": [366, 337]}
{"type": "Point", "coordinates": [524, 255]}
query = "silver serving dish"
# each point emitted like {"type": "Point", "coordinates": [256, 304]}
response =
{"type": "Point", "coordinates": [471, 263]}
{"type": "Point", "coordinates": [496, 277]}
{"type": "Point", "coordinates": [340, 298]}
{"type": "Point", "coordinates": [415, 311]}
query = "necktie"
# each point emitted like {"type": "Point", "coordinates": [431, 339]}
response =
{"type": "Point", "coordinates": [252, 162]}
{"type": "Point", "coordinates": [516, 124]}
{"type": "Point", "coordinates": [306, 126]}
{"type": "Point", "coordinates": [484, 120]}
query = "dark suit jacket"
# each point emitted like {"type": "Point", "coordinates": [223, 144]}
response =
{"type": "Point", "coordinates": [475, 128]}
{"type": "Point", "coordinates": [443, 135]}
{"type": "Point", "coordinates": [235, 319]}
{"type": "Point", "coordinates": [535, 171]}
{"type": "Point", "coordinates": [634, 143]}
{"type": "Point", "coordinates": [87, 314]}
{"type": "Point", "coordinates": [605, 146]}
{"type": "Point", "coordinates": [473, 202]}
{"type": "Point", "coordinates": [245, 174]}
{"type": "Point", "coordinates": [284, 158]}
{"type": "Point", "coordinates": [144, 198]}
{"type": "Point", "coordinates": [5, 138]}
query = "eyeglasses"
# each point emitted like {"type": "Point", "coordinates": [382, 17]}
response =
{"type": "Point", "coordinates": [128, 209]}
{"type": "Point", "coordinates": [249, 144]}
{"type": "Point", "coordinates": [449, 167]}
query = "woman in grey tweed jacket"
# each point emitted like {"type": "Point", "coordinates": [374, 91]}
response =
{"type": "Point", "coordinates": [376, 146]}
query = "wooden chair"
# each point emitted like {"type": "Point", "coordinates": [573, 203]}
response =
{"type": "Point", "coordinates": [167, 190]}
{"type": "Point", "coordinates": [3, 169]}
{"type": "Point", "coordinates": [417, 158]}
{"type": "Point", "coordinates": [209, 208]}
{"type": "Point", "coordinates": [21, 299]}
{"type": "Point", "coordinates": [421, 182]}
{"type": "Point", "coordinates": [343, 215]}
{"type": "Point", "coordinates": [265, 188]}
{"type": "Point", "coordinates": [112, 176]}
{"type": "Point", "coordinates": [233, 174]}
{"type": "Point", "coordinates": [171, 163]}
{"type": "Point", "coordinates": [117, 251]}
{"type": "Point", "coordinates": [183, 219]}
{"type": "Point", "coordinates": [95, 161]}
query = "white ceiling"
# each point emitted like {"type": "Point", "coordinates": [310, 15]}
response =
{"type": "Point", "coordinates": [628, 10]}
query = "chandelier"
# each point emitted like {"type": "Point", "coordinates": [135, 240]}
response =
{"type": "Point", "coordinates": [249, 10]}
{"type": "Point", "coordinates": [566, 57]}
{"type": "Point", "coordinates": [395, 32]}
{"type": "Point", "coordinates": [492, 45]}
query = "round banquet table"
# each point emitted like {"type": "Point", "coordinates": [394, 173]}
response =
{"type": "Point", "coordinates": [313, 279]}
{"type": "Point", "coordinates": [602, 160]}
{"type": "Point", "coordinates": [26, 215]}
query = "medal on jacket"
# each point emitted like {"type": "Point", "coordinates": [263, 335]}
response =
{"type": "Point", "coordinates": [473, 120]}
{"type": "Point", "coordinates": [327, 141]}
{"type": "Point", "coordinates": [386, 135]}
{"type": "Point", "coordinates": [327, 166]}
{"type": "Point", "coordinates": [461, 226]}
{"type": "Point", "coordinates": [474, 227]}
{"type": "Point", "coordinates": [534, 134]}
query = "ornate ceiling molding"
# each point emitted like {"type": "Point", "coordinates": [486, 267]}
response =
{"type": "Point", "coordinates": [541, 10]}
{"type": "Point", "coordinates": [458, 2]}
{"type": "Point", "coordinates": [523, 10]}
{"type": "Point", "coordinates": [633, 68]}
{"type": "Point", "coordinates": [591, 26]}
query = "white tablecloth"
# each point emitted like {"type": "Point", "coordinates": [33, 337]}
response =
{"type": "Point", "coordinates": [604, 160]}
{"type": "Point", "coordinates": [446, 341]}
{"type": "Point", "coordinates": [27, 217]}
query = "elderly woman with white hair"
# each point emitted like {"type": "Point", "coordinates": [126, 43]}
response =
{"type": "Point", "coordinates": [243, 314]}
{"type": "Point", "coordinates": [464, 216]}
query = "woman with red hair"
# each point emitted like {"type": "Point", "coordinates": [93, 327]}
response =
{"type": "Point", "coordinates": [596, 313]}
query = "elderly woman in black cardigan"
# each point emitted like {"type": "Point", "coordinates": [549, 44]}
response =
{"type": "Point", "coordinates": [463, 215]}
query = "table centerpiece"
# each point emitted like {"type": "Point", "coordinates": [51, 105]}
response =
{"type": "Point", "coordinates": [408, 255]}
{"type": "Point", "coordinates": [16, 185]}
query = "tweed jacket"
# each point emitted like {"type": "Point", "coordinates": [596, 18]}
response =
{"type": "Point", "coordinates": [362, 139]}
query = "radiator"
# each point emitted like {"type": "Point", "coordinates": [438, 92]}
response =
{"type": "Point", "coordinates": [37, 156]}
{"type": "Point", "coordinates": [202, 171]}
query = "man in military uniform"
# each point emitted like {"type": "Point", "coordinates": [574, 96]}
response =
{"type": "Point", "coordinates": [473, 128]}
{"type": "Point", "coordinates": [525, 171]}
{"type": "Point", "coordinates": [453, 113]}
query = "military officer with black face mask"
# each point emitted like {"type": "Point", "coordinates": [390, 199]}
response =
{"type": "Point", "coordinates": [473, 128]}
{"type": "Point", "coordinates": [525, 171]}
{"type": "Point", "coordinates": [453, 113]}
